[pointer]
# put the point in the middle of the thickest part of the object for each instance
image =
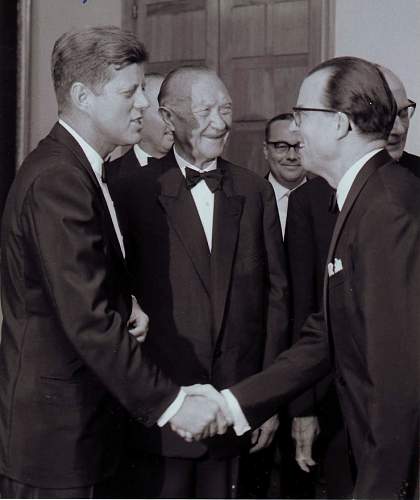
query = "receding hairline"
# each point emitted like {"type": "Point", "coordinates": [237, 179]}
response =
{"type": "Point", "coordinates": [393, 80]}
{"type": "Point", "coordinates": [183, 78]}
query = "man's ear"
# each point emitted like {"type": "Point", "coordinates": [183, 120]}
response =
{"type": "Point", "coordinates": [79, 95]}
{"type": "Point", "coordinates": [343, 125]}
{"type": "Point", "coordinates": [167, 117]}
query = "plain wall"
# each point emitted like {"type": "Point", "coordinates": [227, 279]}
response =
{"type": "Point", "coordinates": [386, 32]}
{"type": "Point", "coordinates": [50, 19]}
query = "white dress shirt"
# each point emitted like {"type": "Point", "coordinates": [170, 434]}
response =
{"type": "Point", "coordinates": [202, 195]}
{"type": "Point", "coordinates": [282, 198]}
{"type": "Point", "coordinates": [141, 155]}
{"type": "Point", "coordinates": [96, 163]}
{"type": "Point", "coordinates": [349, 177]}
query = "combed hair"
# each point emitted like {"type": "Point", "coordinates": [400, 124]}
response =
{"type": "Point", "coordinates": [358, 88]}
{"type": "Point", "coordinates": [277, 118]}
{"type": "Point", "coordinates": [86, 56]}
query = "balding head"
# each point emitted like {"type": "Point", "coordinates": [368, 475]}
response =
{"type": "Point", "coordinates": [398, 136]}
{"type": "Point", "coordinates": [197, 107]}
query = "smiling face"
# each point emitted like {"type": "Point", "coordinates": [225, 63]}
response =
{"type": "Point", "coordinates": [284, 163]}
{"type": "Point", "coordinates": [203, 121]}
{"type": "Point", "coordinates": [116, 110]}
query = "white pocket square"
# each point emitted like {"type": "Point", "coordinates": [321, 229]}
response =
{"type": "Point", "coordinates": [334, 268]}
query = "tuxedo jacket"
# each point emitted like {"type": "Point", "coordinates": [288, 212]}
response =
{"type": "Point", "coordinates": [368, 333]}
{"type": "Point", "coordinates": [123, 167]}
{"type": "Point", "coordinates": [65, 347]}
{"type": "Point", "coordinates": [214, 317]}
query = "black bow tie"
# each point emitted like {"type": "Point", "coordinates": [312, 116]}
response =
{"type": "Point", "coordinates": [105, 166]}
{"type": "Point", "coordinates": [213, 178]}
{"type": "Point", "coordinates": [333, 206]}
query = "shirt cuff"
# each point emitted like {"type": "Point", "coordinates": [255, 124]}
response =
{"type": "Point", "coordinates": [172, 409]}
{"type": "Point", "coordinates": [240, 423]}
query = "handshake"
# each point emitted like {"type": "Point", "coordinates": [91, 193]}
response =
{"type": "Point", "coordinates": [204, 413]}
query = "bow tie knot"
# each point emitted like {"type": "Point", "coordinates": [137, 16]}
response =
{"type": "Point", "coordinates": [213, 178]}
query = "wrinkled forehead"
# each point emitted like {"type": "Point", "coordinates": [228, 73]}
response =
{"type": "Point", "coordinates": [209, 89]}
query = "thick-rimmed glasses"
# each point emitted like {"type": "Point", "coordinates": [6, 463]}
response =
{"type": "Point", "coordinates": [284, 147]}
{"type": "Point", "coordinates": [297, 113]}
{"type": "Point", "coordinates": [407, 111]}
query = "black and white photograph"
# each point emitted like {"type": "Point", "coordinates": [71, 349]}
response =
{"type": "Point", "coordinates": [210, 249]}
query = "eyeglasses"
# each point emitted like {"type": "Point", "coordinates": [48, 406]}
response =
{"type": "Point", "coordinates": [284, 147]}
{"type": "Point", "coordinates": [407, 111]}
{"type": "Point", "coordinates": [297, 113]}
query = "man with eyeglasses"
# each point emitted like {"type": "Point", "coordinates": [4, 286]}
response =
{"type": "Point", "coordinates": [282, 152]}
{"type": "Point", "coordinates": [368, 332]}
{"type": "Point", "coordinates": [310, 226]}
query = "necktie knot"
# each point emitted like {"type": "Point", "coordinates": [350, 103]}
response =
{"type": "Point", "coordinates": [213, 178]}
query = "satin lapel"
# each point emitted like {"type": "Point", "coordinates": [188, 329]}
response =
{"type": "Point", "coordinates": [61, 135]}
{"type": "Point", "coordinates": [226, 222]}
{"type": "Point", "coordinates": [362, 177]}
{"type": "Point", "coordinates": [182, 214]}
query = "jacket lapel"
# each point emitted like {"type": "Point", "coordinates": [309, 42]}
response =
{"type": "Point", "coordinates": [182, 214]}
{"type": "Point", "coordinates": [61, 135]}
{"type": "Point", "coordinates": [226, 222]}
{"type": "Point", "coordinates": [362, 177]}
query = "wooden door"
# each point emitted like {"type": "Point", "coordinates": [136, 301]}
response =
{"type": "Point", "coordinates": [261, 48]}
{"type": "Point", "coordinates": [178, 32]}
{"type": "Point", "coordinates": [268, 47]}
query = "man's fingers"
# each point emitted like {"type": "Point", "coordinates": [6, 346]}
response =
{"type": "Point", "coordinates": [211, 393]}
{"type": "Point", "coordinates": [222, 424]}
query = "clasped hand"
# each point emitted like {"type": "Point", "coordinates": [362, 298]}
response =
{"type": "Point", "coordinates": [204, 413]}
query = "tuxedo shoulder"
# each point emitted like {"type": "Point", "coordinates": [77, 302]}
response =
{"type": "Point", "coordinates": [317, 187]}
{"type": "Point", "coordinates": [246, 177]}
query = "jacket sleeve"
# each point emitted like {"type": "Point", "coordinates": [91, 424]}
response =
{"type": "Point", "coordinates": [295, 370]}
{"type": "Point", "coordinates": [62, 222]}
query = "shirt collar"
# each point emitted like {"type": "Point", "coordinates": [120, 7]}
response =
{"type": "Point", "coordinates": [183, 164]}
{"type": "Point", "coordinates": [349, 177]}
{"type": "Point", "coordinates": [94, 158]}
{"type": "Point", "coordinates": [279, 189]}
{"type": "Point", "coordinates": [141, 155]}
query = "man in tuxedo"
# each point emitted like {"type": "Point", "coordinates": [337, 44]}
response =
{"type": "Point", "coordinates": [67, 355]}
{"type": "Point", "coordinates": [205, 251]}
{"type": "Point", "coordinates": [156, 138]}
{"type": "Point", "coordinates": [310, 226]}
{"type": "Point", "coordinates": [368, 332]}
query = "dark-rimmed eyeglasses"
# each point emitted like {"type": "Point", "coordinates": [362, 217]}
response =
{"type": "Point", "coordinates": [284, 147]}
{"type": "Point", "coordinates": [407, 111]}
{"type": "Point", "coordinates": [297, 113]}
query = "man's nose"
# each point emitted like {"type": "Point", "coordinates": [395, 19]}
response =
{"type": "Point", "coordinates": [292, 155]}
{"type": "Point", "coordinates": [218, 121]}
{"type": "Point", "coordinates": [398, 127]}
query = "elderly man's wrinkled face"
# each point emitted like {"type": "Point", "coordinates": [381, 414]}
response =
{"type": "Point", "coordinates": [203, 122]}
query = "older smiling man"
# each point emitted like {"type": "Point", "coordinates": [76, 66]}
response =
{"type": "Point", "coordinates": [205, 250]}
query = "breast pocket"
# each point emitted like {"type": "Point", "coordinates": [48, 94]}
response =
{"type": "Point", "coordinates": [336, 279]}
